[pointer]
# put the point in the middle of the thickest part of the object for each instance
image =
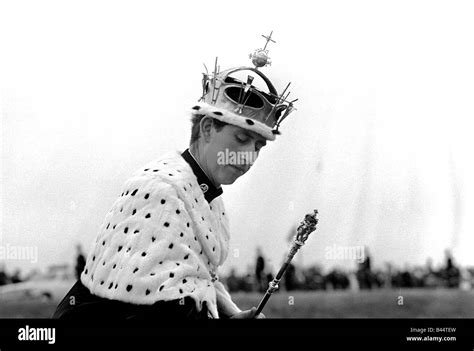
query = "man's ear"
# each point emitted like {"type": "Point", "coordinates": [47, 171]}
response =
{"type": "Point", "coordinates": [206, 128]}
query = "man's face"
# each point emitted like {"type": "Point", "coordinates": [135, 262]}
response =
{"type": "Point", "coordinates": [231, 152]}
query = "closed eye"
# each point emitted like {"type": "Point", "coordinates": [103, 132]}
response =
{"type": "Point", "coordinates": [242, 138]}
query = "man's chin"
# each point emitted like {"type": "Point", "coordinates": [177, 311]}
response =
{"type": "Point", "coordinates": [229, 180]}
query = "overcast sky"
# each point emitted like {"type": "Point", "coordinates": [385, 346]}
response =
{"type": "Point", "coordinates": [381, 143]}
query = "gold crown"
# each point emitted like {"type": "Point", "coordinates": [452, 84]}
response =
{"type": "Point", "coordinates": [231, 100]}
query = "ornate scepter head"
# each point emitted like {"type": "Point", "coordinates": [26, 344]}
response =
{"type": "Point", "coordinates": [306, 227]}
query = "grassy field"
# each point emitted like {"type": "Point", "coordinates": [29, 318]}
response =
{"type": "Point", "coordinates": [315, 304]}
{"type": "Point", "coordinates": [365, 304]}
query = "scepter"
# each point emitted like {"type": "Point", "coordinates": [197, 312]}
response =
{"type": "Point", "coordinates": [307, 226]}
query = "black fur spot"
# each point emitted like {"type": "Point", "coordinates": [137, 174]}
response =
{"type": "Point", "coordinates": [163, 201]}
{"type": "Point", "coordinates": [146, 196]}
{"type": "Point", "coordinates": [119, 248]}
{"type": "Point", "coordinates": [181, 234]}
{"type": "Point", "coordinates": [197, 108]}
{"type": "Point", "coordinates": [171, 275]}
{"type": "Point", "coordinates": [136, 231]}
{"type": "Point", "coordinates": [249, 122]}
{"type": "Point", "coordinates": [218, 113]}
{"type": "Point", "coordinates": [129, 287]}
{"type": "Point", "coordinates": [111, 285]}
{"type": "Point", "coordinates": [186, 257]}
{"type": "Point", "coordinates": [147, 292]}
{"type": "Point", "coordinates": [153, 239]}
{"type": "Point", "coordinates": [134, 192]}
{"type": "Point", "coordinates": [166, 224]}
{"type": "Point", "coordinates": [161, 287]}
{"type": "Point", "coordinates": [135, 270]}
{"type": "Point", "coordinates": [134, 211]}
{"type": "Point", "coordinates": [276, 132]}
{"type": "Point", "coordinates": [184, 281]}
{"type": "Point", "coordinates": [178, 211]}
{"type": "Point", "coordinates": [180, 291]}
{"type": "Point", "coordinates": [148, 215]}
{"type": "Point", "coordinates": [171, 246]}
{"type": "Point", "coordinates": [125, 230]}
{"type": "Point", "coordinates": [143, 254]}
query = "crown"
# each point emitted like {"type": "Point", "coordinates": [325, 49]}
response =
{"type": "Point", "coordinates": [238, 102]}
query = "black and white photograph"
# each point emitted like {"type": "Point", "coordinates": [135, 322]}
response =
{"type": "Point", "coordinates": [251, 169]}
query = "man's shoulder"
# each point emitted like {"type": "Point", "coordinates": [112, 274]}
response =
{"type": "Point", "coordinates": [166, 172]}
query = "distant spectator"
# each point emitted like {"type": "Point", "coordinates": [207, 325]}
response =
{"type": "Point", "coordinates": [80, 261]}
{"type": "Point", "coordinates": [259, 271]}
{"type": "Point", "coordinates": [3, 276]}
{"type": "Point", "coordinates": [452, 274]}
{"type": "Point", "coordinates": [364, 272]}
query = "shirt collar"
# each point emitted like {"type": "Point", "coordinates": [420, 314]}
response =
{"type": "Point", "coordinates": [210, 191]}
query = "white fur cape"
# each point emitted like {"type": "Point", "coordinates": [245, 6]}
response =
{"type": "Point", "coordinates": [161, 240]}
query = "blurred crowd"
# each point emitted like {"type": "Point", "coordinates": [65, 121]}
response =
{"type": "Point", "coordinates": [363, 277]}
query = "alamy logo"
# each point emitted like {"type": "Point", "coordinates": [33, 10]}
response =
{"type": "Point", "coordinates": [37, 334]}
{"type": "Point", "coordinates": [236, 158]}
{"type": "Point", "coordinates": [13, 252]}
{"type": "Point", "coordinates": [345, 253]}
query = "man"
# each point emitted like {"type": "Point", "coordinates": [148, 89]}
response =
{"type": "Point", "coordinates": [259, 271]}
{"type": "Point", "coordinates": [160, 246]}
{"type": "Point", "coordinates": [80, 262]}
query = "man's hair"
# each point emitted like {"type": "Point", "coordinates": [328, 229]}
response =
{"type": "Point", "coordinates": [195, 128]}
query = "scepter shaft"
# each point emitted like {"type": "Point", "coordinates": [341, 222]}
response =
{"type": "Point", "coordinates": [273, 285]}
{"type": "Point", "coordinates": [307, 226]}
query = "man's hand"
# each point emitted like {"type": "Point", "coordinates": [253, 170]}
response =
{"type": "Point", "coordinates": [248, 314]}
